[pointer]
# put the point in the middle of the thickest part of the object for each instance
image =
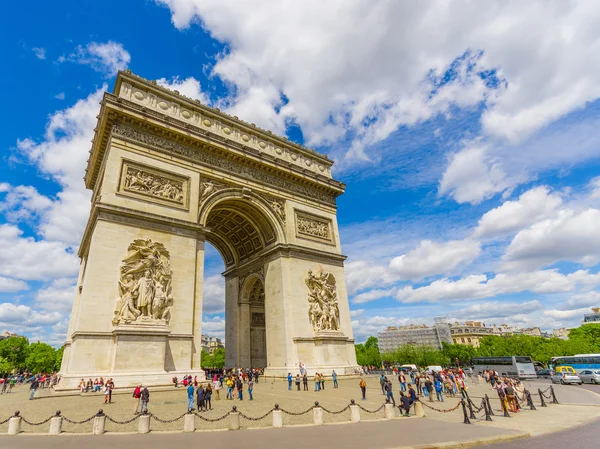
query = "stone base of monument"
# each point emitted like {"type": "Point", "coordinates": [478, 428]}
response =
{"type": "Point", "coordinates": [137, 350]}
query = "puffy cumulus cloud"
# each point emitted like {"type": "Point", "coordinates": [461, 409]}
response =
{"type": "Point", "coordinates": [480, 286]}
{"type": "Point", "coordinates": [566, 314]}
{"type": "Point", "coordinates": [214, 294]}
{"type": "Point", "coordinates": [570, 235]}
{"type": "Point", "coordinates": [107, 58]}
{"type": "Point", "coordinates": [595, 187]}
{"type": "Point", "coordinates": [362, 274]}
{"type": "Point", "coordinates": [582, 300]}
{"type": "Point", "coordinates": [58, 296]}
{"type": "Point", "coordinates": [62, 154]}
{"type": "Point", "coordinates": [190, 87]}
{"type": "Point", "coordinates": [30, 259]}
{"type": "Point", "coordinates": [531, 63]}
{"type": "Point", "coordinates": [433, 258]}
{"type": "Point", "coordinates": [372, 295]}
{"type": "Point", "coordinates": [12, 285]}
{"type": "Point", "coordinates": [215, 327]}
{"type": "Point", "coordinates": [25, 317]}
{"type": "Point", "coordinates": [364, 327]}
{"type": "Point", "coordinates": [22, 202]}
{"type": "Point", "coordinates": [532, 206]}
{"type": "Point", "coordinates": [490, 310]}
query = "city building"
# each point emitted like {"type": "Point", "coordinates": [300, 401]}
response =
{"type": "Point", "coordinates": [415, 334]}
{"type": "Point", "coordinates": [7, 334]}
{"type": "Point", "coordinates": [562, 333]}
{"type": "Point", "coordinates": [470, 333]}
{"type": "Point", "coordinates": [591, 318]}
{"type": "Point", "coordinates": [209, 344]}
{"type": "Point", "coordinates": [505, 329]}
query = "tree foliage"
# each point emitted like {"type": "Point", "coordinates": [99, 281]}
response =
{"type": "Point", "coordinates": [216, 360]}
{"type": "Point", "coordinates": [17, 354]}
{"type": "Point", "coordinates": [582, 340]}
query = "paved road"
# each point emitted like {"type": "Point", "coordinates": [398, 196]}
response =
{"type": "Point", "coordinates": [584, 437]}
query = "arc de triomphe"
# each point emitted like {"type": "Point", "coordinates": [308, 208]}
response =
{"type": "Point", "coordinates": [169, 174]}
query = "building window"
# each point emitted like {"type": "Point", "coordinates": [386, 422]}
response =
{"type": "Point", "coordinates": [469, 340]}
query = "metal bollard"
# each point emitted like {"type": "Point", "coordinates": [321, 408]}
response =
{"type": "Point", "coordinates": [464, 408]}
{"type": "Point", "coordinates": [354, 412]}
{"type": "Point", "coordinates": [388, 411]}
{"type": "Point", "coordinates": [99, 423]}
{"type": "Point", "coordinates": [14, 424]}
{"type": "Point", "coordinates": [56, 424]}
{"type": "Point", "coordinates": [189, 422]}
{"type": "Point", "coordinates": [486, 407]}
{"type": "Point", "coordinates": [529, 400]}
{"type": "Point", "coordinates": [542, 398]}
{"type": "Point", "coordinates": [277, 417]}
{"type": "Point", "coordinates": [489, 406]}
{"type": "Point", "coordinates": [471, 412]}
{"type": "Point", "coordinates": [234, 419]}
{"type": "Point", "coordinates": [144, 423]}
{"type": "Point", "coordinates": [317, 415]}
{"type": "Point", "coordinates": [554, 400]}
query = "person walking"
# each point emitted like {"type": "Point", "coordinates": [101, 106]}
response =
{"type": "Point", "coordinates": [240, 389]}
{"type": "Point", "coordinates": [107, 393]}
{"type": "Point", "coordinates": [402, 380]}
{"type": "Point", "coordinates": [382, 380]}
{"type": "Point", "coordinates": [298, 382]}
{"type": "Point", "coordinates": [251, 387]}
{"type": "Point", "coordinates": [289, 381]}
{"type": "Point", "coordinates": [363, 388]}
{"type": "Point", "coordinates": [229, 383]}
{"type": "Point", "coordinates": [305, 381]}
{"type": "Point", "coordinates": [317, 382]}
{"type": "Point", "coordinates": [389, 393]}
{"type": "Point", "coordinates": [322, 377]}
{"type": "Point", "coordinates": [200, 398]}
{"type": "Point", "coordinates": [144, 399]}
{"type": "Point", "coordinates": [429, 388]}
{"type": "Point", "coordinates": [334, 377]}
{"type": "Point", "coordinates": [33, 388]}
{"type": "Point", "coordinates": [208, 391]}
{"type": "Point", "coordinates": [190, 393]}
{"type": "Point", "coordinates": [137, 394]}
{"type": "Point", "coordinates": [439, 389]}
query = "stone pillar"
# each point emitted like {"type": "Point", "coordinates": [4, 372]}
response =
{"type": "Point", "coordinates": [388, 410]}
{"type": "Point", "coordinates": [234, 420]}
{"type": "Point", "coordinates": [419, 411]}
{"type": "Point", "coordinates": [189, 422]}
{"type": "Point", "coordinates": [244, 354]}
{"type": "Point", "coordinates": [354, 413]}
{"type": "Point", "coordinates": [197, 307]}
{"type": "Point", "coordinates": [277, 418]}
{"type": "Point", "coordinates": [14, 425]}
{"type": "Point", "coordinates": [318, 416]}
{"type": "Point", "coordinates": [232, 312]}
{"type": "Point", "coordinates": [144, 424]}
{"type": "Point", "coordinates": [99, 424]}
{"type": "Point", "coordinates": [56, 425]}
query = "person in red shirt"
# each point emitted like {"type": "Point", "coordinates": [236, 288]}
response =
{"type": "Point", "coordinates": [137, 394]}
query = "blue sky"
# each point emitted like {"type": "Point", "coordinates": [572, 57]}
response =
{"type": "Point", "coordinates": [468, 137]}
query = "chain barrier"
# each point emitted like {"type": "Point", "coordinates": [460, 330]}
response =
{"type": "Point", "coordinates": [166, 421]}
{"type": "Point", "coordinates": [477, 409]}
{"type": "Point", "coordinates": [297, 414]}
{"type": "Point", "coordinates": [5, 421]}
{"type": "Point", "coordinates": [123, 422]}
{"type": "Point", "coordinates": [439, 410]}
{"type": "Point", "coordinates": [336, 413]}
{"type": "Point", "coordinates": [250, 418]}
{"type": "Point", "coordinates": [371, 411]}
{"type": "Point", "coordinates": [36, 423]}
{"type": "Point", "coordinates": [212, 419]}
{"type": "Point", "coordinates": [70, 421]}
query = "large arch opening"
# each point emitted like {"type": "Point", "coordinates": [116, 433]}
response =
{"type": "Point", "coordinates": [240, 230]}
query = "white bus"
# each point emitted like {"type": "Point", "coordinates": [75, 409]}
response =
{"type": "Point", "coordinates": [515, 366]}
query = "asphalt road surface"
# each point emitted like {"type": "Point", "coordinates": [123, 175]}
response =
{"type": "Point", "coordinates": [577, 437]}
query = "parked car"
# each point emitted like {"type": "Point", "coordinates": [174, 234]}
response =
{"type": "Point", "coordinates": [545, 373]}
{"type": "Point", "coordinates": [434, 368]}
{"type": "Point", "coordinates": [565, 375]}
{"type": "Point", "coordinates": [590, 376]}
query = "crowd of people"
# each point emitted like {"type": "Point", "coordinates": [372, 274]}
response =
{"type": "Point", "coordinates": [36, 382]}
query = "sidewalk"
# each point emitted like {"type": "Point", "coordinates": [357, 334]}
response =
{"type": "Point", "coordinates": [397, 433]}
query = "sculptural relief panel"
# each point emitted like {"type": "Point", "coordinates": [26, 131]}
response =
{"type": "Point", "coordinates": [313, 227]}
{"type": "Point", "coordinates": [323, 310]}
{"type": "Point", "coordinates": [157, 185]}
{"type": "Point", "coordinates": [144, 285]}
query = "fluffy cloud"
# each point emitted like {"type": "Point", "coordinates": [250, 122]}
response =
{"type": "Point", "coordinates": [214, 294]}
{"type": "Point", "coordinates": [583, 300]}
{"type": "Point", "coordinates": [364, 327]}
{"type": "Point", "coordinates": [496, 310]}
{"type": "Point", "coordinates": [107, 58]}
{"type": "Point", "coordinates": [12, 285]}
{"type": "Point", "coordinates": [215, 327]}
{"type": "Point", "coordinates": [361, 274]}
{"type": "Point", "coordinates": [573, 236]}
{"type": "Point", "coordinates": [22, 203]}
{"type": "Point", "coordinates": [532, 206]}
{"type": "Point", "coordinates": [566, 314]}
{"type": "Point", "coordinates": [480, 286]}
{"type": "Point", "coordinates": [190, 87]}
{"type": "Point", "coordinates": [372, 295]}
{"type": "Point", "coordinates": [39, 52]}
{"type": "Point", "coordinates": [432, 258]}
{"type": "Point", "coordinates": [24, 316]}
{"type": "Point", "coordinates": [58, 296]}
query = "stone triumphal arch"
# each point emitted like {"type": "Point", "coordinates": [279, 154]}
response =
{"type": "Point", "coordinates": [169, 174]}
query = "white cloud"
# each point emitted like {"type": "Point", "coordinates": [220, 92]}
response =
{"type": "Point", "coordinates": [24, 316]}
{"type": "Point", "coordinates": [532, 206]}
{"type": "Point", "coordinates": [107, 58]}
{"type": "Point", "coordinates": [215, 327]}
{"type": "Point", "coordinates": [39, 52]}
{"type": "Point", "coordinates": [584, 299]}
{"type": "Point", "coordinates": [496, 310]}
{"type": "Point", "coordinates": [214, 294]}
{"type": "Point", "coordinates": [12, 285]}
{"type": "Point", "coordinates": [22, 203]}
{"type": "Point", "coordinates": [572, 236]}
{"type": "Point", "coordinates": [595, 187]}
{"type": "Point", "coordinates": [372, 295]}
{"type": "Point", "coordinates": [480, 286]}
{"type": "Point", "coordinates": [60, 96]}
{"type": "Point", "coordinates": [58, 296]}
{"type": "Point", "coordinates": [361, 274]}
{"type": "Point", "coordinates": [566, 314]}
{"type": "Point", "coordinates": [433, 258]}
{"type": "Point", "coordinates": [190, 87]}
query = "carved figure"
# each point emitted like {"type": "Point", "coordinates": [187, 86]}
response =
{"type": "Point", "coordinates": [313, 227]}
{"type": "Point", "coordinates": [278, 208]}
{"type": "Point", "coordinates": [323, 311]}
{"type": "Point", "coordinates": [139, 181]}
{"type": "Point", "coordinates": [145, 284]}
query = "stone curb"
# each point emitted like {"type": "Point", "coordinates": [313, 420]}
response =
{"type": "Point", "coordinates": [470, 443]}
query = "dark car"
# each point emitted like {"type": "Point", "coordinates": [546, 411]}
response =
{"type": "Point", "coordinates": [545, 373]}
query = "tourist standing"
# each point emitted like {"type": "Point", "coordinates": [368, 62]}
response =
{"type": "Point", "coordinates": [137, 394]}
{"type": "Point", "coordinates": [389, 393]}
{"type": "Point", "coordinates": [363, 388]}
{"type": "Point", "coordinates": [334, 377]}
{"type": "Point", "coordinates": [439, 389]}
{"type": "Point", "coordinates": [305, 381]}
{"type": "Point", "coordinates": [402, 380]}
{"type": "Point", "coordinates": [289, 381]}
{"type": "Point", "coordinates": [144, 399]}
{"type": "Point", "coordinates": [322, 377]}
{"type": "Point", "coordinates": [382, 380]}
{"type": "Point", "coordinates": [429, 388]}
{"type": "Point", "coordinates": [107, 393]}
{"type": "Point", "coordinates": [34, 386]}
{"type": "Point", "coordinates": [229, 383]}
{"type": "Point", "coordinates": [208, 397]}
{"type": "Point", "coordinates": [298, 381]}
{"type": "Point", "coordinates": [240, 389]}
{"type": "Point", "coordinates": [317, 382]}
{"type": "Point", "coordinates": [251, 386]}
{"type": "Point", "coordinates": [199, 398]}
{"type": "Point", "coordinates": [190, 393]}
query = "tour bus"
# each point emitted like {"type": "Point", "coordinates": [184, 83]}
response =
{"type": "Point", "coordinates": [514, 366]}
{"type": "Point", "coordinates": [579, 362]}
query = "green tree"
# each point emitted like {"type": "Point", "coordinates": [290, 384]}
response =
{"type": "Point", "coordinates": [59, 357]}
{"type": "Point", "coordinates": [218, 358]}
{"type": "Point", "coordinates": [206, 360]}
{"type": "Point", "coordinates": [14, 351]}
{"type": "Point", "coordinates": [368, 353]}
{"type": "Point", "coordinates": [41, 358]}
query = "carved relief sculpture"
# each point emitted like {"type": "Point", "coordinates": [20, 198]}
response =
{"type": "Point", "coordinates": [145, 285]}
{"type": "Point", "coordinates": [209, 187]}
{"type": "Point", "coordinates": [313, 227]}
{"type": "Point", "coordinates": [140, 181]}
{"type": "Point", "coordinates": [323, 311]}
